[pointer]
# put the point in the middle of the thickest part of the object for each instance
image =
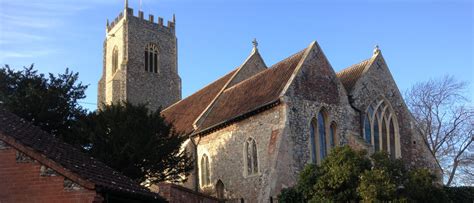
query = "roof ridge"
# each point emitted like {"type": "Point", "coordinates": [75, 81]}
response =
{"type": "Point", "coordinates": [267, 70]}
{"type": "Point", "coordinates": [350, 76]}
{"type": "Point", "coordinates": [209, 84]}
{"type": "Point", "coordinates": [353, 66]}
{"type": "Point", "coordinates": [209, 107]}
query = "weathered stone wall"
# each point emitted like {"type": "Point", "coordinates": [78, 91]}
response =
{"type": "Point", "coordinates": [178, 194]}
{"type": "Point", "coordinates": [109, 86]}
{"type": "Point", "coordinates": [225, 149]}
{"type": "Point", "coordinates": [378, 82]}
{"type": "Point", "coordinates": [130, 35]}
{"type": "Point", "coordinates": [156, 89]}
{"type": "Point", "coordinates": [253, 65]}
{"type": "Point", "coordinates": [314, 88]}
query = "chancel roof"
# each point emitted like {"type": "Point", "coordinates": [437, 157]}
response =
{"type": "Point", "coordinates": [219, 102]}
{"type": "Point", "coordinates": [350, 75]}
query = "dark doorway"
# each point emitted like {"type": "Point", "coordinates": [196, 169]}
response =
{"type": "Point", "coordinates": [220, 189]}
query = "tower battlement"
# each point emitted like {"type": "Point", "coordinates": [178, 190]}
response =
{"type": "Point", "coordinates": [140, 62]}
{"type": "Point", "coordinates": [129, 13]}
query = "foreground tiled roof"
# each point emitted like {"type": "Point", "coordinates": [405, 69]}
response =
{"type": "Point", "coordinates": [253, 93]}
{"type": "Point", "coordinates": [68, 157]}
{"type": "Point", "coordinates": [350, 75]}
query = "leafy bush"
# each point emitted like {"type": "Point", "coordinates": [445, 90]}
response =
{"type": "Point", "coordinates": [460, 194]}
{"type": "Point", "coordinates": [290, 195]}
{"type": "Point", "coordinates": [375, 185]}
{"type": "Point", "coordinates": [340, 175]}
{"type": "Point", "coordinates": [347, 175]}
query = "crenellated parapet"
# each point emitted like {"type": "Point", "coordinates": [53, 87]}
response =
{"type": "Point", "coordinates": [129, 13]}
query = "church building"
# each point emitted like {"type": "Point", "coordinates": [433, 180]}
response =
{"type": "Point", "coordinates": [254, 129]}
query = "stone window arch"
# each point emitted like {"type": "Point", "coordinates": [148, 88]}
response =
{"type": "Point", "coordinates": [205, 173]}
{"type": "Point", "coordinates": [381, 128]}
{"type": "Point", "coordinates": [251, 157]}
{"type": "Point", "coordinates": [320, 137]}
{"type": "Point", "coordinates": [114, 59]}
{"type": "Point", "coordinates": [151, 58]}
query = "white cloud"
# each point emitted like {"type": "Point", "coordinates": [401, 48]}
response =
{"type": "Point", "coordinates": [4, 55]}
{"type": "Point", "coordinates": [28, 21]}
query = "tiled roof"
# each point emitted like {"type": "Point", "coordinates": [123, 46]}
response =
{"type": "Point", "coordinates": [351, 74]}
{"type": "Point", "coordinates": [183, 113]}
{"type": "Point", "coordinates": [247, 95]}
{"type": "Point", "coordinates": [253, 93]}
{"type": "Point", "coordinates": [68, 157]}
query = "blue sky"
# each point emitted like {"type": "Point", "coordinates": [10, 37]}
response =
{"type": "Point", "coordinates": [419, 39]}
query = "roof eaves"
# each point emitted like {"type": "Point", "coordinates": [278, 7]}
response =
{"type": "Point", "coordinates": [237, 118]}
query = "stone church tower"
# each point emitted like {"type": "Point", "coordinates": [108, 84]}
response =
{"type": "Point", "coordinates": [140, 62]}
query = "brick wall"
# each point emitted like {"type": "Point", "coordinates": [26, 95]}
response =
{"type": "Point", "coordinates": [23, 179]}
{"type": "Point", "coordinates": [176, 194]}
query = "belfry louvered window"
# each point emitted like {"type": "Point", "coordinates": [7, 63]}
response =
{"type": "Point", "coordinates": [151, 58]}
{"type": "Point", "coordinates": [380, 128]}
{"type": "Point", "coordinates": [114, 60]}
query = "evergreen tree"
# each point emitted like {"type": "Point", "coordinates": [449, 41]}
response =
{"type": "Point", "coordinates": [137, 142]}
{"type": "Point", "coordinates": [50, 102]}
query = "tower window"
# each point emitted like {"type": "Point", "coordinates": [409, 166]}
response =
{"type": "Point", "coordinates": [151, 58]}
{"type": "Point", "coordinates": [114, 60]}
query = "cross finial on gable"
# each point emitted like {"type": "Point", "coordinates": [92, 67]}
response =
{"type": "Point", "coordinates": [255, 43]}
{"type": "Point", "coordinates": [376, 49]}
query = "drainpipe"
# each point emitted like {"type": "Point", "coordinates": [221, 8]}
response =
{"type": "Point", "coordinates": [361, 115]}
{"type": "Point", "coordinates": [196, 165]}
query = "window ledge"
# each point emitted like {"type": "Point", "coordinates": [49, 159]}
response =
{"type": "Point", "coordinates": [253, 175]}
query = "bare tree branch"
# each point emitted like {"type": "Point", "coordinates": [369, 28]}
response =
{"type": "Point", "coordinates": [446, 121]}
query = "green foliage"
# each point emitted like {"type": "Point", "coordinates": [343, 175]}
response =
{"type": "Point", "coordinates": [376, 185]}
{"type": "Point", "coordinates": [136, 142]}
{"type": "Point", "coordinates": [50, 102]}
{"type": "Point", "coordinates": [420, 187]}
{"type": "Point", "coordinates": [340, 173]}
{"type": "Point", "coordinates": [290, 195]}
{"type": "Point", "coordinates": [347, 176]}
{"type": "Point", "coordinates": [307, 179]}
{"type": "Point", "coordinates": [460, 194]}
{"type": "Point", "coordinates": [395, 168]}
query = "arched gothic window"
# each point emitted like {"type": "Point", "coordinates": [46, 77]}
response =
{"type": "Point", "coordinates": [114, 60]}
{"type": "Point", "coordinates": [251, 157]}
{"type": "Point", "coordinates": [205, 174]}
{"type": "Point", "coordinates": [312, 138]}
{"type": "Point", "coordinates": [322, 137]}
{"type": "Point", "coordinates": [151, 58]}
{"type": "Point", "coordinates": [380, 128]}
